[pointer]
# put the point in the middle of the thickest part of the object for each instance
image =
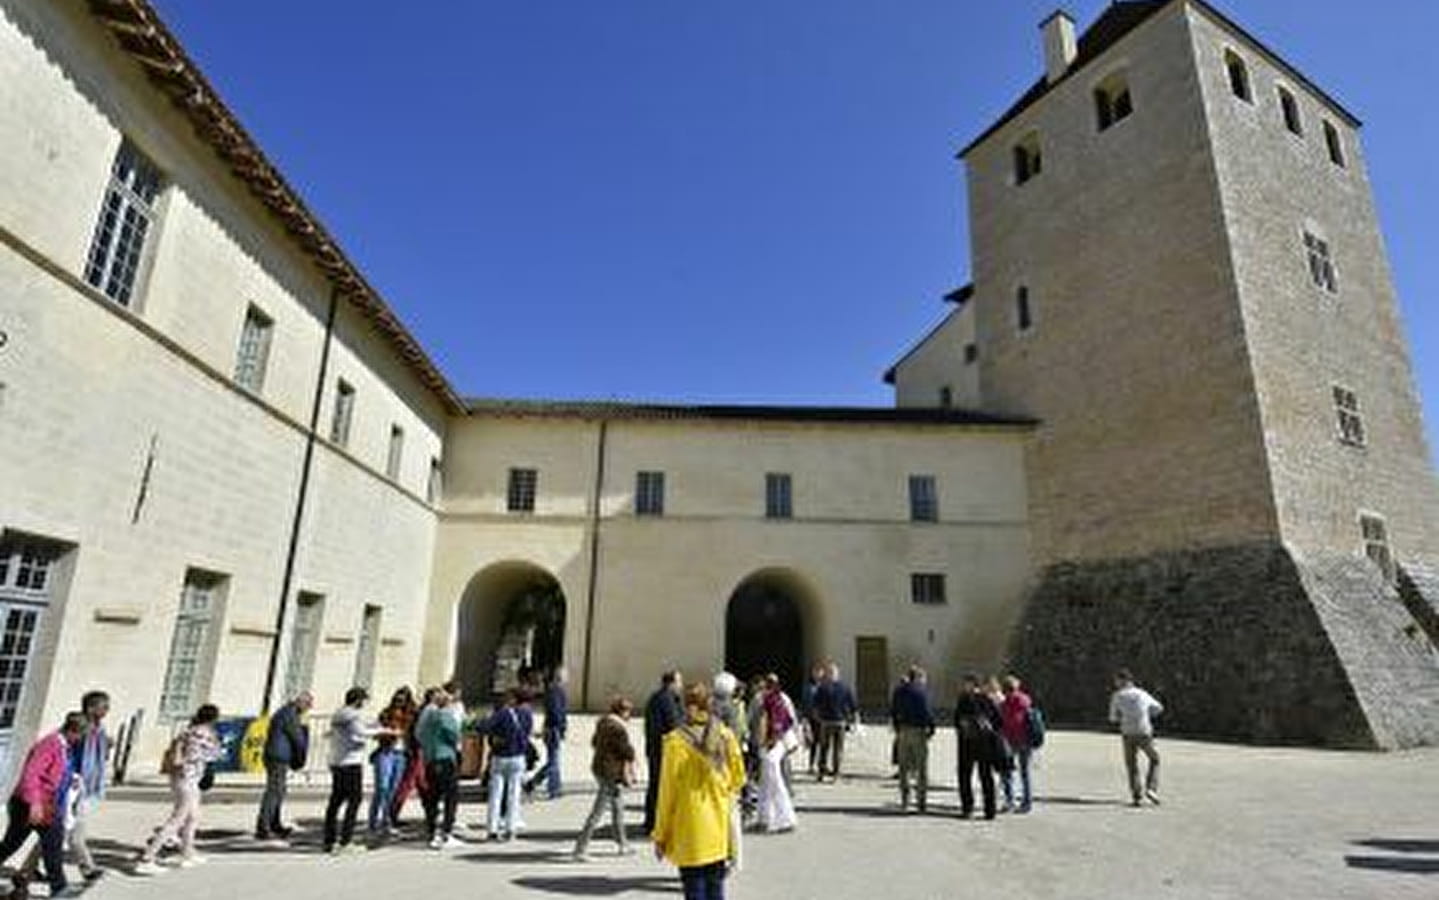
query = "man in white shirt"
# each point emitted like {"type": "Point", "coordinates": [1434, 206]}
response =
{"type": "Point", "coordinates": [1133, 709]}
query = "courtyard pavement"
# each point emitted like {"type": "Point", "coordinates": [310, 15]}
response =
{"type": "Point", "coordinates": [1235, 822]}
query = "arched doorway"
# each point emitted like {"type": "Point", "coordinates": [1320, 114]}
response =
{"type": "Point", "coordinates": [511, 623]}
{"type": "Point", "coordinates": [769, 627]}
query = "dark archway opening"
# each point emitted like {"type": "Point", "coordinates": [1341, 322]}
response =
{"type": "Point", "coordinates": [511, 628]}
{"type": "Point", "coordinates": [765, 631]}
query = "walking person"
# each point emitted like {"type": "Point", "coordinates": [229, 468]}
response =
{"type": "Point", "coordinates": [508, 728]}
{"type": "Point", "coordinates": [287, 746]}
{"type": "Point", "coordinates": [913, 719]}
{"type": "Point", "coordinates": [778, 740]}
{"type": "Point", "coordinates": [1014, 711]}
{"type": "Point", "coordinates": [700, 775]}
{"type": "Point", "coordinates": [613, 766]}
{"type": "Point", "coordinates": [37, 805]}
{"type": "Point", "coordinates": [350, 735]}
{"type": "Point", "coordinates": [438, 734]}
{"type": "Point", "coordinates": [663, 713]}
{"type": "Point", "coordinates": [976, 725]}
{"type": "Point", "coordinates": [835, 709]}
{"type": "Point", "coordinates": [389, 760]}
{"type": "Point", "coordinates": [1132, 707]}
{"type": "Point", "coordinates": [556, 704]}
{"type": "Point", "coordinates": [89, 768]}
{"type": "Point", "coordinates": [189, 755]}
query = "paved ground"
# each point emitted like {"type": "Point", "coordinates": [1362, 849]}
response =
{"type": "Point", "coordinates": [1236, 822]}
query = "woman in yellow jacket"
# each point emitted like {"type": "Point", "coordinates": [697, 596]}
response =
{"type": "Point", "coordinates": [700, 776]}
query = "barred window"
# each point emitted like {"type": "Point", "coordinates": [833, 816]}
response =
{"type": "Point", "coordinates": [192, 645]}
{"type": "Point", "coordinates": [26, 580]}
{"type": "Point", "coordinates": [1321, 265]}
{"type": "Point", "coordinates": [254, 351]}
{"type": "Point", "coordinates": [521, 494]}
{"type": "Point", "coordinates": [343, 414]}
{"type": "Point", "coordinates": [1376, 543]}
{"type": "Point", "coordinates": [650, 494]}
{"type": "Point", "coordinates": [778, 495]}
{"type": "Point", "coordinates": [304, 641]}
{"type": "Point", "coordinates": [923, 499]}
{"type": "Point", "coordinates": [126, 219]}
{"type": "Point", "coordinates": [927, 588]}
{"type": "Point", "coordinates": [1351, 426]}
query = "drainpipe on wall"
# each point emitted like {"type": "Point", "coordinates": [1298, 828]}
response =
{"type": "Point", "coordinates": [305, 467]}
{"type": "Point", "coordinates": [595, 497]}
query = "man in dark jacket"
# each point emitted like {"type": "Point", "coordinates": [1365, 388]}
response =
{"type": "Point", "coordinates": [286, 745]}
{"type": "Point", "coordinates": [663, 714]}
{"type": "Point", "coordinates": [977, 724]}
{"type": "Point", "coordinates": [557, 705]}
{"type": "Point", "coordinates": [834, 707]}
{"type": "Point", "coordinates": [913, 721]}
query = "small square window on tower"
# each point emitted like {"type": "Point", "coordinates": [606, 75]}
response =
{"type": "Point", "coordinates": [1112, 101]}
{"type": "Point", "coordinates": [1028, 162]}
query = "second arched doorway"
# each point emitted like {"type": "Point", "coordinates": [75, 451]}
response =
{"type": "Point", "coordinates": [511, 623]}
{"type": "Point", "coordinates": [769, 627]}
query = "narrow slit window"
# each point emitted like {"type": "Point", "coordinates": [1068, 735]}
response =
{"type": "Point", "coordinates": [396, 454]}
{"type": "Point", "coordinates": [1289, 107]}
{"type": "Point", "coordinates": [1238, 76]}
{"type": "Point", "coordinates": [1334, 144]}
{"type": "Point", "coordinates": [1023, 312]}
{"type": "Point", "coordinates": [1028, 161]}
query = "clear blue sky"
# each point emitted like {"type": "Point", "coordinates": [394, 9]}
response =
{"type": "Point", "coordinates": [714, 202]}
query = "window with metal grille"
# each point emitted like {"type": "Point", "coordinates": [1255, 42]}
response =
{"type": "Point", "coordinates": [1238, 75]}
{"type": "Point", "coordinates": [304, 641]}
{"type": "Point", "coordinates": [649, 493]}
{"type": "Point", "coordinates": [254, 351]}
{"type": "Point", "coordinates": [1289, 108]}
{"type": "Point", "coordinates": [1376, 543]}
{"type": "Point", "coordinates": [1333, 144]}
{"type": "Point", "coordinates": [26, 581]}
{"type": "Point", "coordinates": [17, 643]}
{"type": "Point", "coordinates": [923, 499]}
{"type": "Point", "coordinates": [25, 569]}
{"type": "Point", "coordinates": [778, 495]}
{"type": "Point", "coordinates": [367, 647]}
{"type": "Point", "coordinates": [396, 454]}
{"type": "Point", "coordinates": [1112, 102]}
{"type": "Point", "coordinates": [1028, 162]}
{"type": "Point", "coordinates": [126, 220]}
{"type": "Point", "coordinates": [1351, 426]}
{"type": "Point", "coordinates": [1321, 265]}
{"type": "Point", "coordinates": [927, 588]}
{"type": "Point", "coordinates": [187, 673]}
{"type": "Point", "coordinates": [344, 412]}
{"type": "Point", "coordinates": [521, 494]}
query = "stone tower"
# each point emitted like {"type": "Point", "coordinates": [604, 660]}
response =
{"type": "Point", "coordinates": [1178, 270]}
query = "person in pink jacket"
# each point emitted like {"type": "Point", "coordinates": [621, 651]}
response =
{"type": "Point", "coordinates": [38, 803]}
{"type": "Point", "coordinates": [1014, 711]}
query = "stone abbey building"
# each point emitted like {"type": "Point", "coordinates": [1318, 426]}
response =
{"type": "Point", "coordinates": [1171, 424]}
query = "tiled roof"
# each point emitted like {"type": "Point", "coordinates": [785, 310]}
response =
{"type": "Point", "coordinates": [603, 409]}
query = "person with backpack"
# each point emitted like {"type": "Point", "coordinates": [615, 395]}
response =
{"type": "Point", "coordinates": [1015, 711]}
{"type": "Point", "coordinates": [189, 756]}
{"type": "Point", "coordinates": [977, 725]}
{"type": "Point", "coordinates": [701, 772]}
{"type": "Point", "coordinates": [438, 734]}
{"type": "Point", "coordinates": [287, 744]}
{"type": "Point", "coordinates": [508, 729]}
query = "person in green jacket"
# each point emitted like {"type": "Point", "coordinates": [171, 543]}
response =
{"type": "Point", "coordinates": [438, 733]}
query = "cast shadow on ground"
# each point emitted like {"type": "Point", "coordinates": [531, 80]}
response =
{"type": "Point", "coordinates": [1415, 865]}
{"type": "Point", "coordinates": [599, 885]}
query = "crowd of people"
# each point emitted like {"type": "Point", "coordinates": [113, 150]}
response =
{"type": "Point", "coordinates": [720, 760]}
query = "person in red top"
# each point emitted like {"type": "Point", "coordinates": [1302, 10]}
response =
{"type": "Point", "coordinates": [38, 801]}
{"type": "Point", "coordinates": [1014, 712]}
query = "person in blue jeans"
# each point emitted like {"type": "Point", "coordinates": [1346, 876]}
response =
{"type": "Point", "coordinates": [508, 729]}
{"type": "Point", "coordinates": [556, 724]}
{"type": "Point", "coordinates": [390, 759]}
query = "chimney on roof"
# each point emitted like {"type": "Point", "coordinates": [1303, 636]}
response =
{"type": "Point", "coordinates": [1059, 45]}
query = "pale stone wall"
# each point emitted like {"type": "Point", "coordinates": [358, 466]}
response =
{"type": "Point", "coordinates": [664, 583]}
{"type": "Point", "coordinates": [1304, 340]}
{"type": "Point", "coordinates": [937, 361]}
{"type": "Point", "coordinates": [88, 386]}
{"type": "Point", "coordinates": [1137, 364]}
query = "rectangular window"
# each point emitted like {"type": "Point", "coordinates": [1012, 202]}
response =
{"type": "Point", "coordinates": [26, 580]}
{"type": "Point", "coordinates": [923, 499]}
{"type": "Point", "coordinates": [521, 494]}
{"type": "Point", "coordinates": [396, 454]}
{"type": "Point", "coordinates": [126, 220]}
{"type": "Point", "coordinates": [304, 641]}
{"type": "Point", "coordinates": [778, 495]}
{"type": "Point", "coordinates": [1333, 143]}
{"type": "Point", "coordinates": [927, 588]}
{"type": "Point", "coordinates": [1346, 407]}
{"type": "Point", "coordinates": [366, 647]}
{"type": "Point", "coordinates": [344, 412]}
{"type": "Point", "coordinates": [946, 397]}
{"type": "Point", "coordinates": [1376, 543]}
{"type": "Point", "coordinates": [1112, 102]}
{"type": "Point", "coordinates": [650, 494]}
{"type": "Point", "coordinates": [1023, 315]}
{"type": "Point", "coordinates": [254, 350]}
{"type": "Point", "coordinates": [971, 353]}
{"type": "Point", "coordinates": [1321, 266]}
{"type": "Point", "coordinates": [193, 644]}
{"type": "Point", "coordinates": [1238, 75]}
{"type": "Point", "coordinates": [434, 487]}
{"type": "Point", "coordinates": [1027, 159]}
{"type": "Point", "coordinates": [1290, 109]}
